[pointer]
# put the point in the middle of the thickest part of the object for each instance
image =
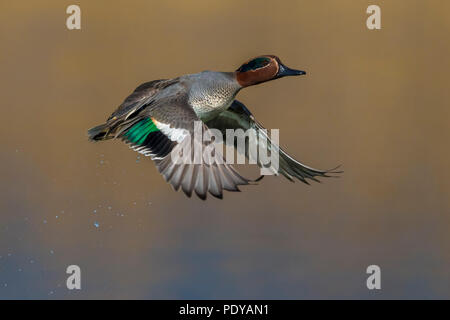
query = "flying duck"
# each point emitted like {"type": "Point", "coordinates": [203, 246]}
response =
{"type": "Point", "coordinates": [159, 115]}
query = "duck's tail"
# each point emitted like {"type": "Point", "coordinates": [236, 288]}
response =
{"type": "Point", "coordinates": [99, 133]}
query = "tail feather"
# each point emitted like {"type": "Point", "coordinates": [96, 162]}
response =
{"type": "Point", "coordinates": [99, 133]}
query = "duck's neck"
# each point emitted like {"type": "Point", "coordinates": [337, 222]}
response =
{"type": "Point", "coordinates": [212, 92]}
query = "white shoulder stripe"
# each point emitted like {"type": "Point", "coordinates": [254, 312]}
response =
{"type": "Point", "coordinates": [174, 134]}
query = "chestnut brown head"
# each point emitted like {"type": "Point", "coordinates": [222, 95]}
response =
{"type": "Point", "coordinates": [262, 69]}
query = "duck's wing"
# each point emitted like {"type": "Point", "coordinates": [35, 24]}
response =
{"type": "Point", "coordinates": [239, 117]}
{"type": "Point", "coordinates": [166, 128]}
{"type": "Point", "coordinates": [142, 97]}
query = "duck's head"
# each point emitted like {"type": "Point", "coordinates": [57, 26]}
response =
{"type": "Point", "coordinates": [262, 69]}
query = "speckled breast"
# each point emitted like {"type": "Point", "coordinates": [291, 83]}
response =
{"type": "Point", "coordinates": [210, 101]}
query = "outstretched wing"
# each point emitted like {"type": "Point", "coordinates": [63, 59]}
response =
{"type": "Point", "coordinates": [157, 132]}
{"type": "Point", "coordinates": [154, 122]}
{"type": "Point", "coordinates": [239, 117]}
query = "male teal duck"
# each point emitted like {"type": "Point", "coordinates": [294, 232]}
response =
{"type": "Point", "coordinates": [157, 116]}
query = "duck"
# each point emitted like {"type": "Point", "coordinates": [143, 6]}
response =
{"type": "Point", "coordinates": [158, 116]}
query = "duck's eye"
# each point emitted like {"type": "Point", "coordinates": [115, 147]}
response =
{"type": "Point", "coordinates": [254, 64]}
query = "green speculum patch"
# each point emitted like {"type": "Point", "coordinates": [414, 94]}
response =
{"type": "Point", "coordinates": [139, 132]}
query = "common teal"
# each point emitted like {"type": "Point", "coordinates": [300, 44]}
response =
{"type": "Point", "coordinates": [157, 115]}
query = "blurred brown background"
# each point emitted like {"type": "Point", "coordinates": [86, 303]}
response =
{"type": "Point", "coordinates": [374, 101]}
